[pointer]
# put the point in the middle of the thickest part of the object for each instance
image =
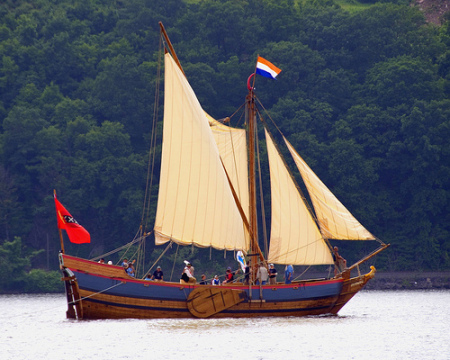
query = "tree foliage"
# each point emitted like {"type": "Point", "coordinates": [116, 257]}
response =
{"type": "Point", "coordinates": [363, 96]}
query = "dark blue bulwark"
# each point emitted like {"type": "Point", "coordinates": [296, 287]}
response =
{"type": "Point", "coordinates": [296, 292]}
{"type": "Point", "coordinates": [173, 292]}
{"type": "Point", "coordinates": [133, 288]}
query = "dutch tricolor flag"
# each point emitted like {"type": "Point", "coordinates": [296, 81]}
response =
{"type": "Point", "coordinates": [266, 68]}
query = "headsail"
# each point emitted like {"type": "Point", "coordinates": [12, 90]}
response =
{"type": "Point", "coordinates": [335, 221]}
{"type": "Point", "coordinates": [295, 238]}
{"type": "Point", "coordinates": [195, 202]}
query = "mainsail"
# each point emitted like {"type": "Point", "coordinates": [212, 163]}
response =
{"type": "Point", "coordinates": [195, 202]}
{"type": "Point", "coordinates": [295, 238]}
{"type": "Point", "coordinates": [232, 145]}
{"type": "Point", "coordinates": [335, 221]}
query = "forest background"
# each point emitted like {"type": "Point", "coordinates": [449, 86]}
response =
{"type": "Point", "coordinates": [363, 96]}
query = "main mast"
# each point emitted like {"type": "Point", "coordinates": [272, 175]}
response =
{"type": "Point", "coordinates": [251, 125]}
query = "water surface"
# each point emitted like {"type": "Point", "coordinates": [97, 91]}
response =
{"type": "Point", "coordinates": [373, 325]}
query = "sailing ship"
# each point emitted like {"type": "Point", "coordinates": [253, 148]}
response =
{"type": "Point", "coordinates": [207, 198]}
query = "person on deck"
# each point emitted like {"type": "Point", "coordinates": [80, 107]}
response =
{"type": "Point", "coordinates": [186, 275]}
{"type": "Point", "coordinates": [272, 275]}
{"type": "Point", "coordinates": [203, 281]}
{"type": "Point", "coordinates": [158, 274]}
{"type": "Point", "coordinates": [216, 280]}
{"type": "Point", "coordinates": [130, 269]}
{"type": "Point", "coordinates": [288, 274]}
{"type": "Point", "coordinates": [229, 276]}
{"type": "Point", "coordinates": [339, 262]}
{"type": "Point", "coordinates": [263, 275]}
{"type": "Point", "coordinates": [125, 262]}
{"type": "Point", "coordinates": [247, 274]}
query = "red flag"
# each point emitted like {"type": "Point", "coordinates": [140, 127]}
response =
{"type": "Point", "coordinates": [77, 234]}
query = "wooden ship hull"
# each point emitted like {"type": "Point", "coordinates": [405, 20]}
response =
{"type": "Point", "coordinates": [100, 291]}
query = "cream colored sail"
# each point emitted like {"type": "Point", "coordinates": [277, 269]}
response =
{"type": "Point", "coordinates": [195, 202]}
{"type": "Point", "coordinates": [295, 238]}
{"type": "Point", "coordinates": [335, 221]}
{"type": "Point", "coordinates": [232, 145]}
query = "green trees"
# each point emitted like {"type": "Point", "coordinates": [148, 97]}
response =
{"type": "Point", "coordinates": [17, 275]}
{"type": "Point", "coordinates": [363, 96]}
{"type": "Point", "coordinates": [402, 80]}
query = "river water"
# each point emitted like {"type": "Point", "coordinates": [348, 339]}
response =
{"type": "Point", "coordinates": [373, 325]}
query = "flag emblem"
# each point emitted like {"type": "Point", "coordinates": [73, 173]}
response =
{"type": "Point", "coordinates": [76, 233]}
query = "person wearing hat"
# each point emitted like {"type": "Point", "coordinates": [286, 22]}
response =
{"type": "Point", "coordinates": [186, 275]}
{"type": "Point", "coordinates": [158, 274]}
{"type": "Point", "coordinates": [272, 275]}
{"type": "Point", "coordinates": [216, 280]}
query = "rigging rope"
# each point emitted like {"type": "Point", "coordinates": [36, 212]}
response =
{"type": "Point", "coordinates": [174, 261]}
{"type": "Point", "coordinates": [160, 256]}
{"type": "Point", "coordinates": [135, 240]}
{"type": "Point", "coordinates": [302, 273]}
{"type": "Point", "coordinates": [152, 151]}
{"type": "Point", "coordinates": [99, 292]}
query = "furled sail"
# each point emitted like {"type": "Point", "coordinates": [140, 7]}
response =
{"type": "Point", "coordinates": [232, 145]}
{"type": "Point", "coordinates": [295, 238]}
{"type": "Point", "coordinates": [195, 202]}
{"type": "Point", "coordinates": [335, 221]}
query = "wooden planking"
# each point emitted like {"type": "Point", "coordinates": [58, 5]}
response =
{"type": "Point", "coordinates": [103, 306]}
{"type": "Point", "coordinates": [93, 267]}
{"type": "Point", "coordinates": [207, 301]}
{"type": "Point", "coordinates": [350, 288]}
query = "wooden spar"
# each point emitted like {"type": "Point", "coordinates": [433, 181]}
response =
{"type": "Point", "coordinates": [375, 252]}
{"type": "Point", "coordinates": [169, 44]}
{"type": "Point", "coordinates": [59, 230]}
{"type": "Point", "coordinates": [241, 211]}
{"type": "Point", "coordinates": [61, 240]}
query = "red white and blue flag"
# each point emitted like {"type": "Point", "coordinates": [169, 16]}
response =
{"type": "Point", "coordinates": [266, 68]}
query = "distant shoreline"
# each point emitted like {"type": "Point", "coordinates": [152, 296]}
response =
{"type": "Point", "coordinates": [402, 280]}
{"type": "Point", "coordinates": [409, 280]}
